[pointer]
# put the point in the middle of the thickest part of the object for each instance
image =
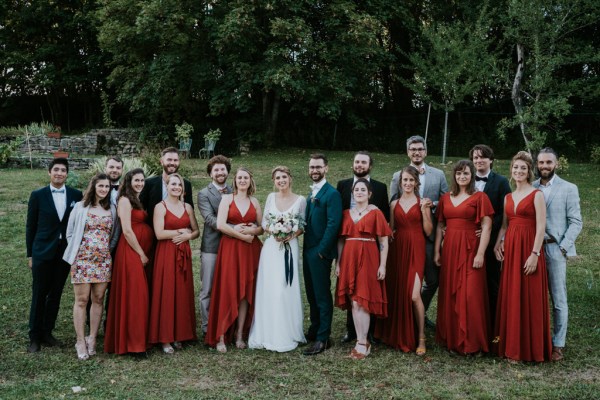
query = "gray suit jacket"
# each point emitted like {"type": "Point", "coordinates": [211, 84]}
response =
{"type": "Point", "coordinates": [563, 214]}
{"type": "Point", "coordinates": [209, 199]}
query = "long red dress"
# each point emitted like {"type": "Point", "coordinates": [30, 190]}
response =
{"type": "Point", "coordinates": [522, 330]}
{"type": "Point", "coordinates": [359, 263]}
{"type": "Point", "coordinates": [172, 312]}
{"type": "Point", "coordinates": [127, 321]}
{"type": "Point", "coordinates": [234, 280]}
{"type": "Point", "coordinates": [463, 320]}
{"type": "Point", "coordinates": [406, 260]}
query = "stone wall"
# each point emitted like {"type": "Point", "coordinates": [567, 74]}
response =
{"type": "Point", "coordinates": [44, 162]}
{"type": "Point", "coordinates": [121, 142]}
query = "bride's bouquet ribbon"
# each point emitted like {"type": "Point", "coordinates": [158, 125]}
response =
{"type": "Point", "coordinates": [289, 264]}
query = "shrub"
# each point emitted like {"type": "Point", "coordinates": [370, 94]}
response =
{"type": "Point", "coordinates": [595, 154]}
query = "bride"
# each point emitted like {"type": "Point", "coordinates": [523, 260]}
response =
{"type": "Point", "coordinates": [278, 314]}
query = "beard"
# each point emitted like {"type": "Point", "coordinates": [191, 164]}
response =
{"type": "Point", "coordinates": [362, 174]}
{"type": "Point", "coordinates": [545, 174]}
{"type": "Point", "coordinates": [317, 176]}
{"type": "Point", "coordinates": [170, 166]}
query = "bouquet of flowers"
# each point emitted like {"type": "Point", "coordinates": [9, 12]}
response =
{"type": "Point", "coordinates": [284, 225]}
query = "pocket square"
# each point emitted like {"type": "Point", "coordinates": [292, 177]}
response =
{"type": "Point", "coordinates": [72, 204]}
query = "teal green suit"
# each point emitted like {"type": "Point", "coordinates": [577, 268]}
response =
{"type": "Point", "coordinates": [323, 220]}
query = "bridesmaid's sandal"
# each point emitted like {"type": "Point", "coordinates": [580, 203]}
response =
{"type": "Point", "coordinates": [421, 350]}
{"type": "Point", "coordinates": [240, 344]}
{"type": "Point", "coordinates": [177, 345]}
{"type": "Point", "coordinates": [221, 348]}
{"type": "Point", "coordinates": [82, 352]}
{"type": "Point", "coordinates": [168, 349]}
{"type": "Point", "coordinates": [360, 351]}
{"type": "Point", "coordinates": [90, 343]}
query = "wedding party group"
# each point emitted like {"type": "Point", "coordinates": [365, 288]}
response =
{"type": "Point", "coordinates": [494, 256]}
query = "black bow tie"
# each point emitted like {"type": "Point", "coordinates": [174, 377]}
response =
{"type": "Point", "coordinates": [478, 178]}
{"type": "Point", "coordinates": [115, 187]}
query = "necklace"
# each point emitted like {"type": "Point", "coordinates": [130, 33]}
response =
{"type": "Point", "coordinates": [360, 213]}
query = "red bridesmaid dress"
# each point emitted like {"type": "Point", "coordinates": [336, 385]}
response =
{"type": "Point", "coordinates": [127, 320]}
{"type": "Point", "coordinates": [234, 280]}
{"type": "Point", "coordinates": [522, 330]}
{"type": "Point", "coordinates": [463, 321]}
{"type": "Point", "coordinates": [173, 312]}
{"type": "Point", "coordinates": [359, 263]}
{"type": "Point", "coordinates": [405, 261]}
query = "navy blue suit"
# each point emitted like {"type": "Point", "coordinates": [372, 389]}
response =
{"type": "Point", "coordinates": [45, 237]}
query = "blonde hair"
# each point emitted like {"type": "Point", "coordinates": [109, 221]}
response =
{"type": "Point", "coordinates": [176, 175]}
{"type": "Point", "coordinates": [527, 159]}
{"type": "Point", "coordinates": [251, 188]}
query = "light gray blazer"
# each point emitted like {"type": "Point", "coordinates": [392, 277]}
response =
{"type": "Point", "coordinates": [209, 199]}
{"type": "Point", "coordinates": [563, 214]}
{"type": "Point", "coordinates": [76, 228]}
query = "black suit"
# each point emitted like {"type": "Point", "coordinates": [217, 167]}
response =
{"type": "Point", "coordinates": [379, 197]}
{"type": "Point", "coordinates": [152, 195]}
{"type": "Point", "coordinates": [45, 237]}
{"type": "Point", "coordinates": [496, 188]}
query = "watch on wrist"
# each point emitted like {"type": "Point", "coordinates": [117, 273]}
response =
{"type": "Point", "coordinates": [537, 253]}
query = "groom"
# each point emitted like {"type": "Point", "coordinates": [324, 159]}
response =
{"type": "Point", "coordinates": [323, 220]}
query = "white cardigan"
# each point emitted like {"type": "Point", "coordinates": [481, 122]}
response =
{"type": "Point", "coordinates": [76, 227]}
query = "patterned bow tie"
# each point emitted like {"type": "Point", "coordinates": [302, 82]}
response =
{"type": "Point", "coordinates": [58, 190]}
{"type": "Point", "coordinates": [224, 190]}
{"type": "Point", "coordinates": [479, 178]}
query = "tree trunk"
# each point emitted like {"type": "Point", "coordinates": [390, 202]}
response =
{"type": "Point", "coordinates": [517, 99]}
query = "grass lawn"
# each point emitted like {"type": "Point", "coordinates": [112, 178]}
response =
{"type": "Point", "coordinates": [198, 372]}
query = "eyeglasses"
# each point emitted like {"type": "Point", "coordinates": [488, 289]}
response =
{"type": "Point", "coordinates": [316, 167]}
{"type": "Point", "coordinates": [419, 150]}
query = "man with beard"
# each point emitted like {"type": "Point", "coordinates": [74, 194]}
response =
{"type": "Point", "coordinates": [209, 199]}
{"type": "Point", "coordinates": [155, 191]}
{"type": "Point", "coordinates": [496, 187]}
{"type": "Point", "coordinates": [363, 162]}
{"type": "Point", "coordinates": [563, 224]}
{"type": "Point", "coordinates": [114, 169]}
{"type": "Point", "coordinates": [433, 186]}
{"type": "Point", "coordinates": [323, 220]}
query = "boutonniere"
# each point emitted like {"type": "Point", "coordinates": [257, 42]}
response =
{"type": "Point", "coordinates": [72, 204]}
{"type": "Point", "coordinates": [314, 200]}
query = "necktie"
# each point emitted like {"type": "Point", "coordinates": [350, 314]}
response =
{"type": "Point", "coordinates": [58, 190]}
{"type": "Point", "coordinates": [478, 178]}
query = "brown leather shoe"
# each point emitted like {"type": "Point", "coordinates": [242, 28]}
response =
{"type": "Point", "coordinates": [557, 353]}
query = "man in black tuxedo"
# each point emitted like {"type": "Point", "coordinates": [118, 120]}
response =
{"type": "Point", "coordinates": [496, 187]}
{"type": "Point", "coordinates": [45, 236]}
{"type": "Point", "coordinates": [361, 167]}
{"type": "Point", "coordinates": [155, 189]}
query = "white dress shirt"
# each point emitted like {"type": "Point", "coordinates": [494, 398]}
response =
{"type": "Point", "coordinates": [60, 200]}
{"type": "Point", "coordinates": [480, 185]}
{"type": "Point", "coordinates": [547, 188]}
{"type": "Point", "coordinates": [317, 186]}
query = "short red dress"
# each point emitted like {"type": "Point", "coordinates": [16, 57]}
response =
{"type": "Point", "coordinates": [234, 280]}
{"type": "Point", "coordinates": [406, 260]}
{"type": "Point", "coordinates": [463, 319]}
{"type": "Point", "coordinates": [522, 329]}
{"type": "Point", "coordinates": [128, 309]}
{"type": "Point", "coordinates": [359, 263]}
{"type": "Point", "coordinates": [173, 312]}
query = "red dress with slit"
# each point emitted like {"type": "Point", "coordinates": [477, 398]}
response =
{"type": "Point", "coordinates": [359, 263]}
{"type": "Point", "coordinates": [172, 311]}
{"type": "Point", "coordinates": [522, 329]}
{"type": "Point", "coordinates": [463, 320]}
{"type": "Point", "coordinates": [406, 260]}
{"type": "Point", "coordinates": [234, 280]}
{"type": "Point", "coordinates": [128, 309]}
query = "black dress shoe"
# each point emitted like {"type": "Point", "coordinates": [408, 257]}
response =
{"type": "Point", "coordinates": [349, 337]}
{"type": "Point", "coordinates": [34, 346]}
{"type": "Point", "coordinates": [51, 341]}
{"type": "Point", "coordinates": [317, 348]}
{"type": "Point", "coordinates": [429, 324]}
{"type": "Point", "coordinates": [373, 340]}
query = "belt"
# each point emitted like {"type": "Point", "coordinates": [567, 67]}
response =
{"type": "Point", "coordinates": [549, 240]}
{"type": "Point", "coordinates": [362, 239]}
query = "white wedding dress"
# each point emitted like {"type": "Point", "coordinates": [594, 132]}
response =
{"type": "Point", "coordinates": [278, 313]}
